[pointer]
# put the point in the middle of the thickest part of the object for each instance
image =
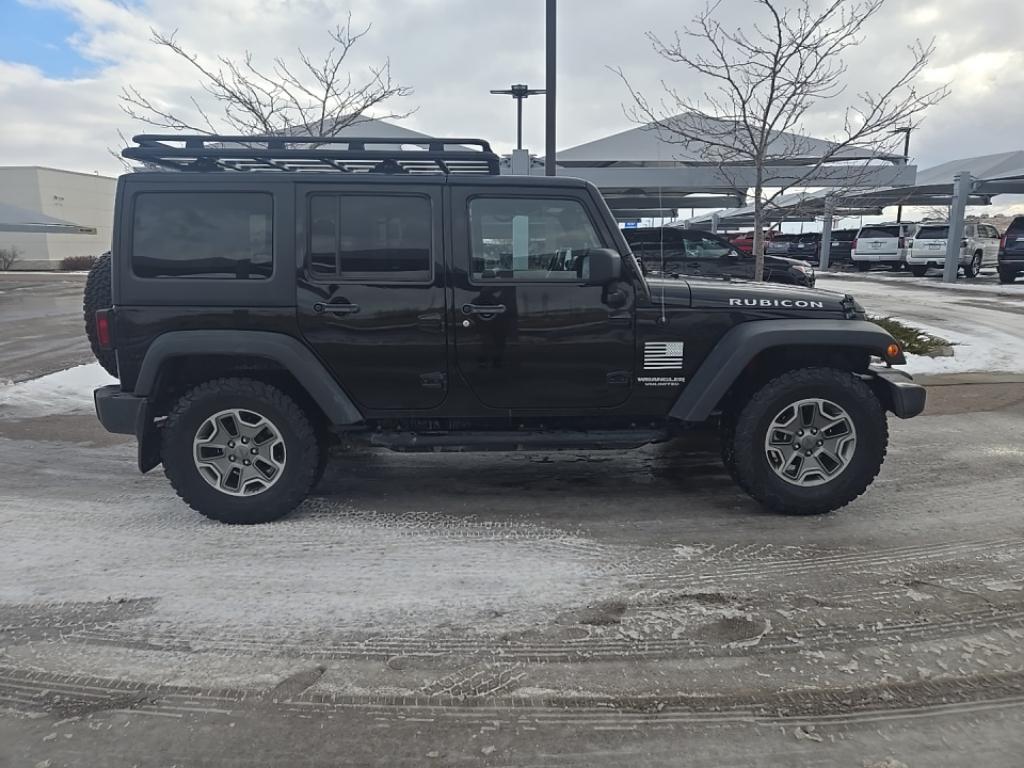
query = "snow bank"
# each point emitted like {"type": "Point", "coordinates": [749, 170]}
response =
{"type": "Point", "coordinates": [67, 391]}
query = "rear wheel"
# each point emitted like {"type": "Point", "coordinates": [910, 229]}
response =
{"type": "Point", "coordinates": [863, 266]}
{"type": "Point", "coordinates": [1006, 277]}
{"type": "Point", "coordinates": [240, 451]}
{"type": "Point", "coordinates": [810, 441]}
{"type": "Point", "coordinates": [973, 268]}
{"type": "Point", "coordinates": [919, 271]}
{"type": "Point", "coordinates": [96, 297]}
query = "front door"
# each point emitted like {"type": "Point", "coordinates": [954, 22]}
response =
{"type": "Point", "coordinates": [529, 332]}
{"type": "Point", "coordinates": [371, 295]}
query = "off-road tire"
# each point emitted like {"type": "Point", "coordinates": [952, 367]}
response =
{"type": "Point", "coordinates": [917, 271]}
{"type": "Point", "coordinates": [97, 296]}
{"type": "Point", "coordinates": [1007, 277]}
{"type": "Point", "coordinates": [301, 445]}
{"type": "Point", "coordinates": [755, 475]}
{"type": "Point", "coordinates": [973, 267]}
{"type": "Point", "coordinates": [726, 436]}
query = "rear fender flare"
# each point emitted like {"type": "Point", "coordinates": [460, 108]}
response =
{"type": "Point", "coordinates": [744, 342]}
{"type": "Point", "coordinates": [284, 350]}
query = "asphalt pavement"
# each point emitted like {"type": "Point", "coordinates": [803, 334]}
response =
{"type": "Point", "coordinates": [564, 609]}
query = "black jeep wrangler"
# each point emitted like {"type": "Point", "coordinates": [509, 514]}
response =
{"type": "Point", "coordinates": [272, 294]}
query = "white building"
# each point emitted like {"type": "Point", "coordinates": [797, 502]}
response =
{"type": "Point", "coordinates": [83, 199]}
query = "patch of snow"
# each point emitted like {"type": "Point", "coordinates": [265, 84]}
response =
{"type": "Point", "coordinates": [995, 351]}
{"type": "Point", "coordinates": [67, 391]}
{"type": "Point", "coordinates": [850, 279]}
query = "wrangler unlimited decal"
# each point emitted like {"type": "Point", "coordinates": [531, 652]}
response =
{"type": "Point", "coordinates": [789, 303]}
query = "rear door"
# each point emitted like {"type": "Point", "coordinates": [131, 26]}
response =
{"type": "Point", "coordinates": [371, 289]}
{"type": "Point", "coordinates": [529, 332]}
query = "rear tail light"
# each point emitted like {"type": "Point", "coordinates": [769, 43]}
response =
{"type": "Point", "coordinates": [103, 334]}
{"type": "Point", "coordinates": [854, 246]}
{"type": "Point", "coordinates": [1002, 242]}
{"type": "Point", "coordinates": [903, 242]}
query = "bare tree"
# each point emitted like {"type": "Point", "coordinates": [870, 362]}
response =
{"type": "Point", "coordinates": [8, 256]}
{"type": "Point", "coordinates": [760, 83]}
{"type": "Point", "coordinates": [302, 97]}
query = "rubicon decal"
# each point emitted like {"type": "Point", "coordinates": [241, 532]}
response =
{"type": "Point", "coordinates": [661, 355]}
{"type": "Point", "coordinates": [785, 303]}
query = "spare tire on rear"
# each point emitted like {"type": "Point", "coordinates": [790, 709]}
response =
{"type": "Point", "coordinates": [96, 297]}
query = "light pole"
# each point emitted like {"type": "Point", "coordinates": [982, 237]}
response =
{"type": "Point", "coordinates": [519, 92]}
{"type": "Point", "coordinates": [549, 88]}
{"type": "Point", "coordinates": [906, 158]}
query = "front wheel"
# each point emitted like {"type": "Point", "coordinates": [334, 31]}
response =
{"type": "Point", "coordinates": [240, 451]}
{"type": "Point", "coordinates": [810, 441]}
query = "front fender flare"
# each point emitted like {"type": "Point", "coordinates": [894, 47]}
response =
{"type": "Point", "coordinates": [284, 350]}
{"type": "Point", "coordinates": [742, 343]}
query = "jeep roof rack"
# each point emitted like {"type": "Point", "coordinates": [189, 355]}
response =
{"type": "Point", "coordinates": [345, 154]}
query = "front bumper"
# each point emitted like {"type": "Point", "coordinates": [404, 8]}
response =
{"type": "Point", "coordinates": [119, 412]}
{"type": "Point", "coordinates": [898, 392]}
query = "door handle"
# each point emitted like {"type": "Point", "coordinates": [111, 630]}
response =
{"type": "Point", "coordinates": [335, 309]}
{"type": "Point", "coordinates": [483, 309]}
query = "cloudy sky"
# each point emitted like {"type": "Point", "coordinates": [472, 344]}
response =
{"type": "Point", "coordinates": [63, 62]}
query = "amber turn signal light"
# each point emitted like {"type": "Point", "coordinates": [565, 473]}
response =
{"type": "Point", "coordinates": [892, 351]}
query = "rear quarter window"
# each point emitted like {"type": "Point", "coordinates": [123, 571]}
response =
{"type": "Point", "coordinates": [213, 235]}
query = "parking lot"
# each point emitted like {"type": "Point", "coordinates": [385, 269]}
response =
{"type": "Point", "coordinates": [604, 608]}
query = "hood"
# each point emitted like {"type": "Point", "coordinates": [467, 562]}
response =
{"type": "Point", "coordinates": [769, 297]}
{"type": "Point", "coordinates": [782, 261]}
{"type": "Point", "coordinates": [673, 290]}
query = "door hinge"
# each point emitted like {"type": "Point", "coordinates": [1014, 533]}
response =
{"type": "Point", "coordinates": [433, 380]}
{"type": "Point", "coordinates": [619, 378]}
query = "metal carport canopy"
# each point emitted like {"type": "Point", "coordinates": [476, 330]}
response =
{"type": "Point", "coordinates": [638, 170]}
{"type": "Point", "coordinates": [15, 219]}
{"type": "Point", "coordinates": [991, 175]}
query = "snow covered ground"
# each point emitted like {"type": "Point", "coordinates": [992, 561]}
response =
{"type": "Point", "coordinates": [985, 323]}
{"type": "Point", "coordinates": [67, 391]}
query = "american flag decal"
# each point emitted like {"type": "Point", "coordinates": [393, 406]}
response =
{"type": "Point", "coordinates": [663, 355]}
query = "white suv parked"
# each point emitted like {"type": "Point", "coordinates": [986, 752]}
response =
{"type": "Point", "coordinates": [887, 244]}
{"type": "Point", "coordinates": [980, 244]}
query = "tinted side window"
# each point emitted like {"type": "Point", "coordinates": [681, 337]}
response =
{"type": "Point", "coordinates": [382, 238]}
{"type": "Point", "coordinates": [226, 235]}
{"type": "Point", "coordinates": [529, 239]}
{"type": "Point", "coordinates": [705, 248]}
{"type": "Point", "coordinates": [1016, 226]}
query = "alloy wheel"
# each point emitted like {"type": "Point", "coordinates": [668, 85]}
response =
{"type": "Point", "coordinates": [810, 442]}
{"type": "Point", "coordinates": [239, 452]}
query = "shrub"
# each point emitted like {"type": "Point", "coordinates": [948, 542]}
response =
{"type": "Point", "coordinates": [74, 263]}
{"type": "Point", "coordinates": [7, 257]}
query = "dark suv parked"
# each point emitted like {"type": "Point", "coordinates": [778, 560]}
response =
{"type": "Point", "coordinates": [1011, 251]}
{"type": "Point", "coordinates": [275, 293]}
{"type": "Point", "coordinates": [797, 246]}
{"type": "Point", "coordinates": [676, 252]}
{"type": "Point", "coordinates": [842, 246]}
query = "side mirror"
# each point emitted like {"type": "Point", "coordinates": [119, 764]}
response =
{"type": "Point", "coordinates": [600, 266]}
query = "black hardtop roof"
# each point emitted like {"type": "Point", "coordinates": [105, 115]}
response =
{"type": "Point", "coordinates": [196, 178]}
